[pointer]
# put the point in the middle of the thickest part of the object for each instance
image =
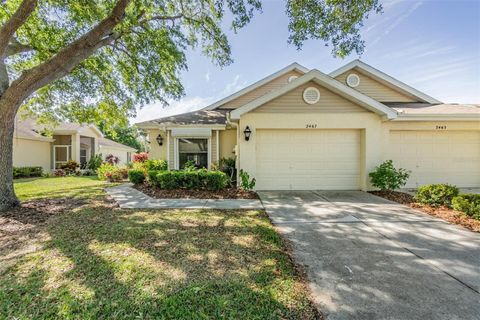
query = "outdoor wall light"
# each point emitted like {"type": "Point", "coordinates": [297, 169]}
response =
{"type": "Point", "coordinates": [247, 132]}
{"type": "Point", "coordinates": [159, 140]}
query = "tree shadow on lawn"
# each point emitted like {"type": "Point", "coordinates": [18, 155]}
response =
{"type": "Point", "coordinates": [103, 263]}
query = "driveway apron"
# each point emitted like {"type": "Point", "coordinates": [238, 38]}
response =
{"type": "Point", "coordinates": [369, 258]}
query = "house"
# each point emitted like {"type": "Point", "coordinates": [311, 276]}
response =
{"type": "Point", "coordinates": [69, 141]}
{"type": "Point", "coordinates": [301, 129]}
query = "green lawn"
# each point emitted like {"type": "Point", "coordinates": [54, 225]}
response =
{"type": "Point", "coordinates": [103, 263]}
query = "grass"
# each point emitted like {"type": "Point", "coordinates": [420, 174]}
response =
{"type": "Point", "coordinates": [59, 187]}
{"type": "Point", "coordinates": [99, 262]}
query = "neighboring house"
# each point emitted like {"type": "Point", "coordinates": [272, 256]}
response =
{"type": "Point", "coordinates": [300, 129]}
{"type": "Point", "coordinates": [69, 141]}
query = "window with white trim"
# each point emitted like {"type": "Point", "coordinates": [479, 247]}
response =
{"type": "Point", "coordinates": [193, 149]}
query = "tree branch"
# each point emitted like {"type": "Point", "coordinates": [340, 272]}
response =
{"type": "Point", "coordinates": [15, 47]}
{"type": "Point", "coordinates": [68, 58]}
{"type": "Point", "coordinates": [15, 22]}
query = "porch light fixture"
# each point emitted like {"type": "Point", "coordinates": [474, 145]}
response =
{"type": "Point", "coordinates": [159, 140]}
{"type": "Point", "coordinates": [247, 132]}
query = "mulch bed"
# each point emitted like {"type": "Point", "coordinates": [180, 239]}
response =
{"type": "Point", "coordinates": [447, 214]}
{"type": "Point", "coordinates": [227, 193]}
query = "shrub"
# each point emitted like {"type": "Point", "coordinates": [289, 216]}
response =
{"type": "Point", "coordinates": [166, 180]}
{"type": "Point", "coordinates": [87, 172]}
{"type": "Point", "coordinates": [104, 169]}
{"type": "Point", "coordinates": [228, 166]}
{"type": "Point", "coordinates": [59, 173]}
{"type": "Point", "coordinates": [27, 172]}
{"type": "Point", "coordinates": [140, 157]}
{"type": "Point", "coordinates": [436, 195]}
{"type": "Point", "coordinates": [245, 182]}
{"type": "Point", "coordinates": [159, 165]}
{"type": "Point", "coordinates": [70, 167]}
{"type": "Point", "coordinates": [215, 180]}
{"type": "Point", "coordinates": [112, 159]}
{"type": "Point", "coordinates": [387, 177]}
{"type": "Point", "coordinates": [468, 204]}
{"type": "Point", "coordinates": [198, 179]}
{"type": "Point", "coordinates": [123, 172]}
{"type": "Point", "coordinates": [95, 162]}
{"type": "Point", "coordinates": [136, 176]}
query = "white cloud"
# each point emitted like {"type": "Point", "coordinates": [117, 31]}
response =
{"type": "Point", "coordinates": [207, 76]}
{"type": "Point", "coordinates": [156, 110]}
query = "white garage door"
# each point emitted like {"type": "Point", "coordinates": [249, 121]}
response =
{"type": "Point", "coordinates": [437, 157]}
{"type": "Point", "coordinates": [308, 159]}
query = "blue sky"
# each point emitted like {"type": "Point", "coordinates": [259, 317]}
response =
{"type": "Point", "coordinates": [432, 45]}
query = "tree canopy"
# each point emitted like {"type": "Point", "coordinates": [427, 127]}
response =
{"type": "Point", "coordinates": [61, 58]}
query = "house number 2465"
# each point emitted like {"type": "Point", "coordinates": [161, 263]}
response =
{"type": "Point", "coordinates": [311, 126]}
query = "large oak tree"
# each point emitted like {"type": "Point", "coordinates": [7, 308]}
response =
{"type": "Point", "coordinates": [58, 55]}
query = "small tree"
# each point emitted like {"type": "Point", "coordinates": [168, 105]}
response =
{"type": "Point", "coordinates": [387, 177]}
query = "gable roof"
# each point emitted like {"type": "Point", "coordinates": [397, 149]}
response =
{"type": "Point", "coordinates": [323, 80]}
{"type": "Point", "coordinates": [287, 69]}
{"type": "Point", "coordinates": [107, 143]}
{"type": "Point", "coordinates": [384, 79]}
{"type": "Point", "coordinates": [200, 117]}
{"type": "Point", "coordinates": [28, 129]}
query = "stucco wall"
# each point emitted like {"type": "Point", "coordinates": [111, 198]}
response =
{"type": "Point", "coordinates": [28, 153]}
{"type": "Point", "coordinates": [228, 140]}
{"type": "Point", "coordinates": [156, 151]}
{"type": "Point", "coordinates": [370, 125]}
{"type": "Point", "coordinates": [121, 154]}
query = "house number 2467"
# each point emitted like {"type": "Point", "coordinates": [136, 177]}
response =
{"type": "Point", "coordinates": [311, 126]}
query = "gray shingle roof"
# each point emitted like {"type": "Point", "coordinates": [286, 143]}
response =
{"type": "Point", "coordinates": [203, 117]}
{"type": "Point", "coordinates": [104, 142]}
{"type": "Point", "coordinates": [428, 108]}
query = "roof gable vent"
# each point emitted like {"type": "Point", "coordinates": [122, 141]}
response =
{"type": "Point", "coordinates": [353, 80]}
{"type": "Point", "coordinates": [291, 78]}
{"type": "Point", "coordinates": [311, 95]}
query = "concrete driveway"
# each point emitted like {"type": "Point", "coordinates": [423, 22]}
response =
{"type": "Point", "coordinates": [369, 258]}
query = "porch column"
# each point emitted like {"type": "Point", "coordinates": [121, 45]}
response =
{"type": "Point", "coordinates": [76, 147]}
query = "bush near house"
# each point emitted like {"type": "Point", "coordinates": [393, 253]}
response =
{"type": "Point", "coordinates": [70, 167]}
{"type": "Point", "coordinates": [136, 176]}
{"type": "Point", "coordinates": [196, 179]}
{"type": "Point", "coordinates": [436, 195]}
{"type": "Point", "coordinates": [112, 173]}
{"type": "Point", "coordinates": [388, 178]}
{"type": "Point", "coordinates": [27, 172]}
{"type": "Point", "coordinates": [140, 157]}
{"type": "Point", "coordinates": [246, 183]}
{"type": "Point", "coordinates": [468, 204]}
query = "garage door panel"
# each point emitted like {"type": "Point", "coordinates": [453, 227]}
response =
{"type": "Point", "coordinates": [437, 157]}
{"type": "Point", "coordinates": [308, 159]}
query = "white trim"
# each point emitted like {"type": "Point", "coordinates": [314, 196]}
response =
{"type": "Point", "coordinates": [69, 154]}
{"type": "Point", "coordinates": [42, 139]}
{"type": "Point", "coordinates": [305, 93]}
{"type": "Point", "coordinates": [385, 79]}
{"type": "Point", "coordinates": [218, 147]}
{"type": "Point", "coordinates": [356, 80]}
{"type": "Point", "coordinates": [192, 132]}
{"type": "Point", "coordinates": [128, 149]}
{"type": "Point", "coordinates": [326, 81]}
{"type": "Point", "coordinates": [438, 117]}
{"type": "Point", "coordinates": [291, 78]}
{"type": "Point", "coordinates": [168, 149]}
{"type": "Point", "coordinates": [289, 68]}
{"type": "Point", "coordinates": [176, 150]}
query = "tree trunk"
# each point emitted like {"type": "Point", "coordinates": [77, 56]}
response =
{"type": "Point", "coordinates": [7, 121]}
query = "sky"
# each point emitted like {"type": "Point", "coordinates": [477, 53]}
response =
{"type": "Point", "coordinates": [433, 46]}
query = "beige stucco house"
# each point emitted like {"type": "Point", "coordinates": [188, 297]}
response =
{"type": "Point", "coordinates": [69, 141]}
{"type": "Point", "coordinates": [310, 130]}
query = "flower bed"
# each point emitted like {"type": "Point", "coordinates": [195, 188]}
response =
{"type": "Point", "coordinates": [226, 193]}
{"type": "Point", "coordinates": [442, 212]}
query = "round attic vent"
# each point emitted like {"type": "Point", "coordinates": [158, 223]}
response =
{"type": "Point", "coordinates": [311, 95]}
{"type": "Point", "coordinates": [353, 80]}
{"type": "Point", "coordinates": [291, 78]}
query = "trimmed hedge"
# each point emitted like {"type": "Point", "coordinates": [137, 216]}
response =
{"type": "Point", "coordinates": [198, 179]}
{"type": "Point", "coordinates": [136, 176]}
{"type": "Point", "coordinates": [27, 172]}
{"type": "Point", "coordinates": [468, 204]}
{"type": "Point", "coordinates": [437, 195]}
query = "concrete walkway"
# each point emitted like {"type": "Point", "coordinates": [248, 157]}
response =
{"type": "Point", "coordinates": [130, 198]}
{"type": "Point", "coordinates": [369, 258]}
